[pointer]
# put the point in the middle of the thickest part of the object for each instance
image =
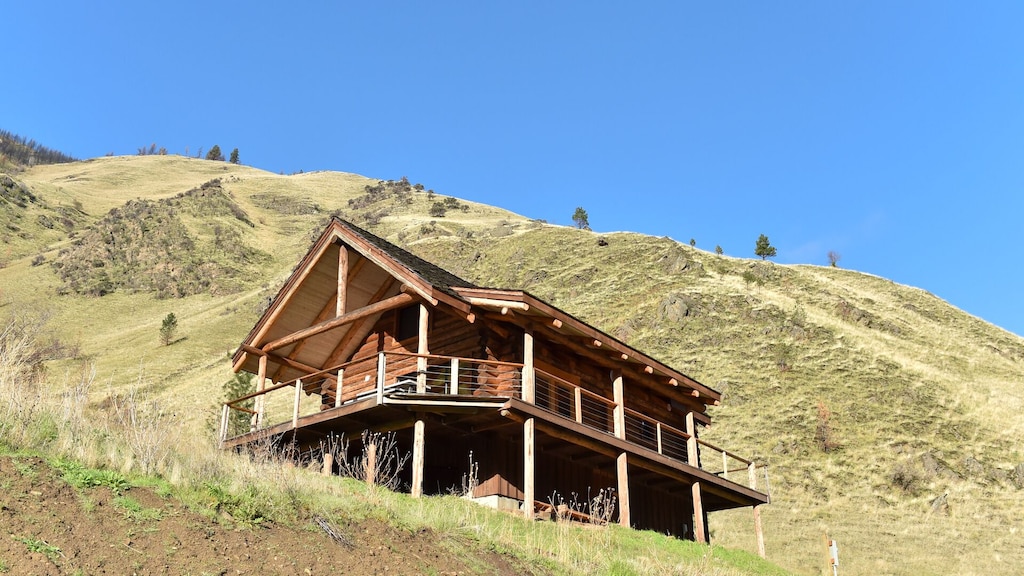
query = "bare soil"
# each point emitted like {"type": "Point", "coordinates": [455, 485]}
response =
{"type": "Point", "coordinates": [49, 527]}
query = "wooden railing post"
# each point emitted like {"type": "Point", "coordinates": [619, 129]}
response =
{"type": "Point", "coordinates": [454, 381]}
{"type": "Point", "coordinates": [298, 398]}
{"type": "Point", "coordinates": [529, 372]}
{"type": "Point", "coordinates": [380, 377]}
{"type": "Point", "coordinates": [725, 465]}
{"type": "Point", "coordinates": [224, 423]}
{"type": "Point", "coordinates": [578, 401]}
{"type": "Point", "coordinates": [261, 401]}
{"type": "Point", "coordinates": [691, 441]}
{"type": "Point", "coordinates": [752, 475]}
{"type": "Point", "coordinates": [658, 427]}
{"type": "Point", "coordinates": [619, 415]}
{"type": "Point", "coordinates": [337, 388]}
{"type": "Point", "coordinates": [422, 349]}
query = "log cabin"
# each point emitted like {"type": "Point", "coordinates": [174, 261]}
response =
{"type": "Point", "coordinates": [365, 336]}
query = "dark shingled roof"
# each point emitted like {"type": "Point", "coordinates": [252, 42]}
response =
{"type": "Point", "coordinates": [435, 275]}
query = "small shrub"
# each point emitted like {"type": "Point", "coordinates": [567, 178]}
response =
{"type": "Point", "coordinates": [718, 249]}
{"type": "Point", "coordinates": [438, 210]}
{"type": "Point", "coordinates": [38, 260]}
{"type": "Point", "coordinates": [823, 434]}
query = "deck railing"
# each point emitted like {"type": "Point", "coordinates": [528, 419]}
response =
{"type": "Point", "coordinates": [386, 373]}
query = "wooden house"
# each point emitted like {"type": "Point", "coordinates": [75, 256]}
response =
{"type": "Point", "coordinates": [367, 336]}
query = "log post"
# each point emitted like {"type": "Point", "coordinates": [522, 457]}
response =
{"type": "Point", "coordinates": [699, 527]}
{"type": "Point", "coordinates": [298, 398]}
{"type": "Point", "coordinates": [529, 372]}
{"type": "Point", "coordinates": [725, 465]}
{"type": "Point", "coordinates": [759, 532]}
{"type": "Point", "coordinates": [261, 400]}
{"type": "Point", "coordinates": [618, 394]}
{"type": "Point", "coordinates": [528, 468]}
{"type": "Point", "coordinates": [417, 457]}
{"type": "Point", "coordinates": [691, 441]}
{"type": "Point", "coordinates": [454, 383]}
{"type": "Point", "coordinates": [328, 464]}
{"type": "Point", "coordinates": [224, 415]}
{"type": "Point", "coordinates": [380, 377]}
{"type": "Point", "coordinates": [342, 280]}
{"type": "Point", "coordinates": [658, 428]}
{"type": "Point", "coordinates": [337, 387]}
{"type": "Point", "coordinates": [422, 348]}
{"type": "Point", "coordinates": [623, 480]}
{"type": "Point", "coordinates": [578, 401]}
{"type": "Point", "coordinates": [371, 463]}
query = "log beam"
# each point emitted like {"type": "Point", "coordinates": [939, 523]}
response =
{"type": "Point", "coordinates": [369, 310]}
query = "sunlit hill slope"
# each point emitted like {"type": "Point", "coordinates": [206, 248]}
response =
{"type": "Point", "coordinates": [888, 418]}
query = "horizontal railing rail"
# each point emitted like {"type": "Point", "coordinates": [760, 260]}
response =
{"type": "Point", "coordinates": [408, 372]}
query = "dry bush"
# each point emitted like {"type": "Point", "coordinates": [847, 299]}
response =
{"type": "Point", "coordinates": [148, 428]}
{"type": "Point", "coordinates": [379, 464]}
{"type": "Point", "coordinates": [823, 434]}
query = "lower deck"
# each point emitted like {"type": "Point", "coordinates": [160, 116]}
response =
{"type": "Point", "coordinates": [572, 462]}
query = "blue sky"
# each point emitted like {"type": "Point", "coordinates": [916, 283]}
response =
{"type": "Point", "coordinates": [890, 132]}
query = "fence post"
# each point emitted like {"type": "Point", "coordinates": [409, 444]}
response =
{"type": "Point", "coordinates": [298, 397]}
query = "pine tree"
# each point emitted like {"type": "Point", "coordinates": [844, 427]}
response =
{"type": "Point", "coordinates": [581, 219]}
{"type": "Point", "coordinates": [764, 248]}
{"type": "Point", "coordinates": [234, 156]}
{"type": "Point", "coordinates": [240, 385]}
{"type": "Point", "coordinates": [215, 154]}
{"type": "Point", "coordinates": [168, 328]}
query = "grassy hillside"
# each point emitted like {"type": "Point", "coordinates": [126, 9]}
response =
{"type": "Point", "coordinates": [887, 417]}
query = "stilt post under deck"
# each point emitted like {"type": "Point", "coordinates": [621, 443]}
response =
{"type": "Point", "coordinates": [528, 468]}
{"type": "Point", "coordinates": [699, 526]}
{"type": "Point", "coordinates": [418, 442]}
{"type": "Point", "coordinates": [623, 478]}
{"type": "Point", "coordinates": [758, 531]}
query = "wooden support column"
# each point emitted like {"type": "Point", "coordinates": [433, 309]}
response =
{"type": "Point", "coordinates": [620, 405]}
{"type": "Point", "coordinates": [337, 387]}
{"type": "Point", "coordinates": [261, 400]}
{"type": "Point", "coordinates": [699, 524]}
{"type": "Point", "coordinates": [422, 348]}
{"type": "Point", "coordinates": [454, 381]}
{"type": "Point", "coordinates": [623, 477]}
{"type": "Point", "coordinates": [381, 365]}
{"type": "Point", "coordinates": [224, 416]}
{"type": "Point", "coordinates": [759, 532]}
{"type": "Point", "coordinates": [528, 468]}
{"type": "Point", "coordinates": [529, 372]}
{"type": "Point", "coordinates": [342, 280]}
{"type": "Point", "coordinates": [298, 398]}
{"type": "Point", "coordinates": [418, 441]}
{"type": "Point", "coordinates": [691, 441]}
